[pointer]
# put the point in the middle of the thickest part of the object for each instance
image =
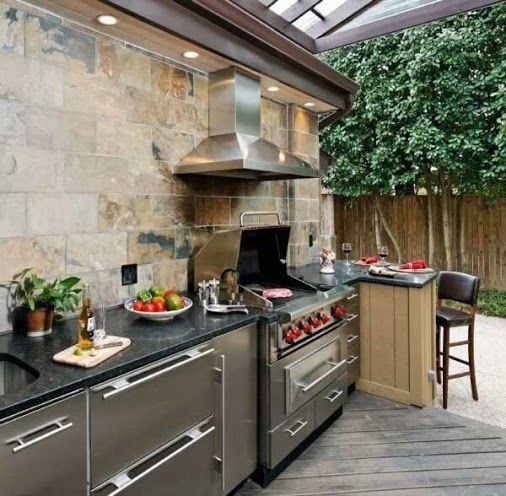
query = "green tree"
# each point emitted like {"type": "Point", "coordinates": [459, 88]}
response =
{"type": "Point", "coordinates": [430, 113]}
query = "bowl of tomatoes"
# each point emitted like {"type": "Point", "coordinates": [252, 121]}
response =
{"type": "Point", "coordinates": [158, 304]}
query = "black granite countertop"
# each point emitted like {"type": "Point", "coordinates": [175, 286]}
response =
{"type": "Point", "coordinates": [150, 341]}
{"type": "Point", "coordinates": [350, 274]}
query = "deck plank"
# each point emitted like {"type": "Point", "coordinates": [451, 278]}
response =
{"type": "Point", "coordinates": [379, 448]}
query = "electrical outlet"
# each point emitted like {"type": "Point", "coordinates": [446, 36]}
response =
{"type": "Point", "coordinates": [311, 241]}
{"type": "Point", "coordinates": [128, 274]}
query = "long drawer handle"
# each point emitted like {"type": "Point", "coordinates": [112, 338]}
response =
{"type": "Point", "coordinates": [123, 480]}
{"type": "Point", "coordinates": [123, 385]}
{"type": "Point", "coordinates": [351, 318]}
{"type": "Point", "coordinates": [352, 297]}
{"type": "Point", "coordinates": [352, 359]}
{"type": "Point", "coordinates": [334, 367]}
{"type": "Point", "coordinates": [334, 395]}
{"type": "Point", "coordinates": [301, 424]}
{"type": "Point", "coordinates": [351, 338]}
{"type": "Point", "coordinates": [58, 425]}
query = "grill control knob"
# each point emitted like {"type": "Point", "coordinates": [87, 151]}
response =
{"type": "Point", "coordinates": [317, 322]}
{"type": "Point", "coordinates": [304, 327]}
{"type": "Point", "coordinates": [289, 335]}
{"type": "Point", "coordinates": [324, 318]}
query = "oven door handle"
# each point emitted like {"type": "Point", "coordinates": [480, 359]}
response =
{"type": "Point", "coordinates": [311, 385]}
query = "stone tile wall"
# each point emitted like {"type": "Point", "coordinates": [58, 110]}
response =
{"type": "Point", "coordinates": [89, 130]}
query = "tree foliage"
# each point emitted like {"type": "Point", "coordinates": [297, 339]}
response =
{"type": "Point", "coordinates": [430, 112]}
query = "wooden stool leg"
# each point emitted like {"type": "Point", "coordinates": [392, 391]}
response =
{"type": "Point", "coordinates": [446, 362]}
{"type": "Point", "coordinates": [472, 370]}
{"type": "Point", "coordinates": [438, 354]}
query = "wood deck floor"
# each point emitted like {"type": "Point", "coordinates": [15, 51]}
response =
{"type": "Point", "coordinates": [380, 448]}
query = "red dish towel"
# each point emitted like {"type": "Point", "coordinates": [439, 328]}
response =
{"type": "Point", "coordinates": [369, 260]}
{"type": "Point", "coordinates": [415, 264]}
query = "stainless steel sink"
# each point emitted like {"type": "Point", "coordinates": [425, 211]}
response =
{"type": "Point", "coordinates": [14, 374]}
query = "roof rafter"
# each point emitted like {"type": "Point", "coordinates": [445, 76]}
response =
{"type": "Point", "coordinates": [298, 9]}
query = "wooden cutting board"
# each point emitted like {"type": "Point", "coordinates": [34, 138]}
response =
{"type": "Point", "coordinates": [91, 358]}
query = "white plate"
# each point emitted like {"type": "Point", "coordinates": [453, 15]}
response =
{"type": "Point", "coordinates": [428, 270]}
{"type": "Point", "coordinates": [158, 316]}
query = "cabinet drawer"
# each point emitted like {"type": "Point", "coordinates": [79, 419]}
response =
{"type": "Point", "coordinates": [353, 360]}
{"type": "Point", "coordinates": [185, 466]}
{"type": "Point", "coordinates": [44, 452]}
{"type": "Point", "coordinates": [310, 375]}
{"type": "Point", "coordinates": [331, 400]}
{"type": "Point", "coordinates": [352, 303]}
{"type": "Point", "coordinates": [352, 338]}
{"type": "Point", "coordinates": [147, 407]}
{"type": "Point", "coordinates": [291, 433]}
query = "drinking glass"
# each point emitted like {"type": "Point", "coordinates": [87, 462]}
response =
{"type": "Point", "coordinates": [383, 253]}
{"type": "Point", "coordinates": [100, 314]}
{"type": "Point", "coordinates": [346, 247]}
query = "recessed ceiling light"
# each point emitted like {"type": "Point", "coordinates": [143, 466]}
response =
{"type": "Point", "coordinates": [107, 19]}
{"type": "Point", "coordinates": [273, 88]}
{"type": "Point", "coordinates": [191, 54]}
{"type": "Point", "coordinates": [309, 104]}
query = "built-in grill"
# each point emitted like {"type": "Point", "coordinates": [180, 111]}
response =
{"type": "Point", "coordinates": [304, 355]}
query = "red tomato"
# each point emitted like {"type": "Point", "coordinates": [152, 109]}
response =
{"type": "Point", "coordinates": [149, 307]}
{"type": "Point", "coordinates": [168, 292]}
{"type": "Point", "coordinates": [138, 305]}
{"type": "Point", "coordinates": [159, 306]}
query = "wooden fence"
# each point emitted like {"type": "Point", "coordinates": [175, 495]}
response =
{"type": "Point", "coordinates": [478, 237]}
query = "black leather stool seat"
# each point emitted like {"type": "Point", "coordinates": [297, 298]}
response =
{"type": "Point", "coordinates": [451, 317]}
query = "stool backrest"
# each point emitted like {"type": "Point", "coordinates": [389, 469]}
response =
{"type": "Point", "coordinates": [458, 286]}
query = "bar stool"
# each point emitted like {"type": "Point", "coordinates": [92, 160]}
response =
{"type": "Point", "coordinates": [462, 288]}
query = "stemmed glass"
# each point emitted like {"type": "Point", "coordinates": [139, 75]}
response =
{"type": "Point", "coordinates": [346, 247]}
{"type": "Point", "coordinates": [383, 253]}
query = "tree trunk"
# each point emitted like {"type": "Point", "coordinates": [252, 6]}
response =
{"type": "Point", "coordinates": [462, 235]}
{"type": "Point", "coordinates": [386, 226]}
{"type": "Point", "coordinates": [377, 229]}
{"type": "Point", "coordinates": [447, 232]}
{"type": "Point", "coordinates": [430, 226]}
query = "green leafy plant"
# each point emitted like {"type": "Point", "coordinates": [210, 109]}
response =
{"type": "Point", "coordinates": [492, 302]}
{"type": "Point", "coordinates": [31, 291]}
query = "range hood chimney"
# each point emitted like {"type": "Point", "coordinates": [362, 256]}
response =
{"type": "Point", "coordinates": [234, 147]}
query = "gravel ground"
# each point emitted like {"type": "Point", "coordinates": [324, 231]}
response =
{"type": "Point", "coordinates": [490, 353]}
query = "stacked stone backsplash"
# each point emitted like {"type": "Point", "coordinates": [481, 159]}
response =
{"type": "Point", "coordinates": [89, 130]}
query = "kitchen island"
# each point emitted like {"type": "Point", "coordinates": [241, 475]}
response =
{"type": "Point", "coordinates": [397, 335]}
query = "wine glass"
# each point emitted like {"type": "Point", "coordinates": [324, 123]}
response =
{"type": "Point", "coordinates": [383, 253]}
{"type": "Point", "coordinates": [346, 247]}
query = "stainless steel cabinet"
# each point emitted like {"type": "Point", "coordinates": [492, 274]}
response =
{"type": "Point", "coordinates": [44, 452]}
{"type": "Point", "coordinates": [135, 414]}
{"type": "Point", "coordinates": [236, 354]}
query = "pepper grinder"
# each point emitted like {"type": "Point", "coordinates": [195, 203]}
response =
{"type": "Point", "coordinates": [203, 293]}
{"type": "Point", "coordinates": [214, 291]}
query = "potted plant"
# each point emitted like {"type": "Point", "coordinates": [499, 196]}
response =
{"type": "Point", "coordinates": [36, 301]}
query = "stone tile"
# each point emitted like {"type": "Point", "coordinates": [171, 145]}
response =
{"type": "Point", "coordinates": [229, 187]}
{"type": "Point", "coordinates": [95, 95]}
{"type": "Point", "coordinates": [45, 254]}
{"type": "Point", "coordinates": [193, 186]}
{"type": "Point", "coordinates": [279, 189]}
{"type": "Point", "coordinates": [12, 23]}
{"type": "Point", "coordinates": [56, 213]}
{"type": "Point", "coordinates": [275, 135]}
{"type": "Point", "coordinates": [123, 139]}
{"type": "Point", "coordinates": [146, 107]}
{"type": "Point", "coordinates": [171, 81]}
{"type": "Point", "coordinates": [12, 214]}
{"type": "Point", "coordinates": [12, 123]}
{"type": "Point", "coordinates": [298, 255]}
{"type": "Point", "coordinates": [6, 306]}
{"type": "Point", "coordinates": [273, 114]}
{"type": "Point", "coordinates": [173, 274]}
{"type": "Point", "coordinates": [151, 246]}
{"type": "Point", "coordinates": [258, 188]}
{"type": "Point", "coordinates": [98, 174]}
{"type": "Point", "coordinates": [314, 210]}
{"type": "Point", "coordinates": [48, 40]}
{"type": "Point", "coordinates": [306, 188]}
{"type": "Point", "coordinates": [298, 210]}
{"type": "Point", "coordinates": [212, 211]}
{"type": "Point", "coordinates": [302, 120]}
{"type": "Point", "coordinates": [239, 205]}
{"type": "Point", "coordinates": [303, 144]}
{"type": "Point", "coordinates": [30, 169]}
{"type": "Point", "coordinates": [154, 176]}
{"type": "Point", "coordinates": [30, 81]}
{"type": "Point", "coordinates": [170, 146]}
{"type": "Point", "coordinates": [144, 212]}
{"type": "Point", "coordinates": [126, 65]}
{"type": "Point", "coordinates": [96, 251]}
{"type": "Point", "coordinates": [201, 85]}
{"type": "Point", "coordinates": [59, 130]}
{"type": "Point", "coordinates": [190, 240]}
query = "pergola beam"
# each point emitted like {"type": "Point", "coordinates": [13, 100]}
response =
{"type": "Point", "coordinates": [398, 22]}
{"type": "Point", "coordinates": [298, 9]}
{"type": "Point", "coordinates": [337, 16]}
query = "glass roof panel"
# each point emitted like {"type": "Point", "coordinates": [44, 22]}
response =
{"type": "Point", "coordinates": [325, 7]}
{"type": "Point", "coordinates": [281, 5]}
{"type": "Point", "coordinates": [306, 21]}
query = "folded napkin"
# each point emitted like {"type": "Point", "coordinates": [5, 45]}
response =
{"type": "Point", "coordinates": [415, 264]}
{"type": "Point", "coordinates": [369, 260]}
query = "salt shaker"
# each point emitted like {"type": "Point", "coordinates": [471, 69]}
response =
{"type": "Point", "coordinates": [214, 291]}
{"type": "Point", "coordinates": [203, 293]}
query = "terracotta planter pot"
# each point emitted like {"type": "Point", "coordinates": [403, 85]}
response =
{"type": "Point", "coordinates": [38, 322]}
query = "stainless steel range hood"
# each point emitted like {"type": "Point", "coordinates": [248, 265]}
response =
{"type": "Point", "coordinates": [234, 147]}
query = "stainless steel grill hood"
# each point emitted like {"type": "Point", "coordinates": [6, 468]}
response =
{"type": "Point", "coordinates": [234, 147]}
